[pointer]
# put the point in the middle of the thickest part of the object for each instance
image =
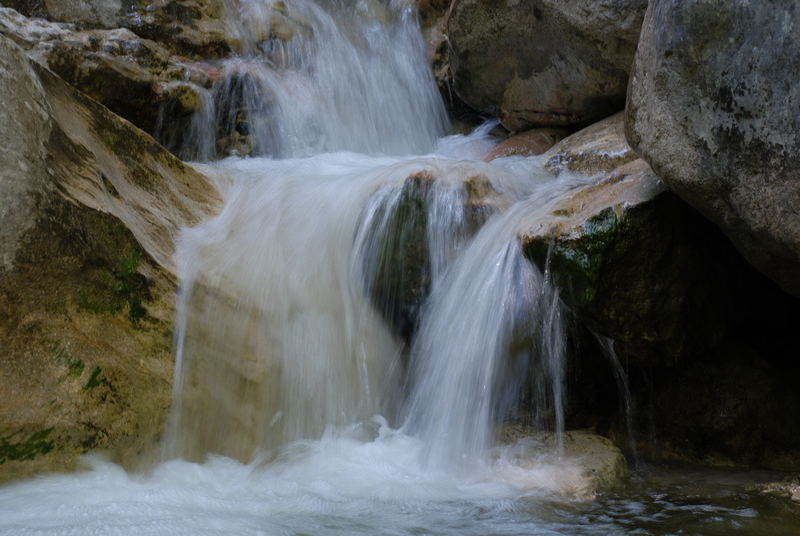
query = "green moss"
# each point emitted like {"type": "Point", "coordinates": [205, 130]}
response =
{"type": "Point", "coordinates": [578, 262]}
{"type": "Point", "coordinates": [28, 449]}
{"type": "Point", "coordinates": [402, 271]}
{"type": "Point", "coordinates": [74, 366]}
{"type": "Point", "coordinates": [119, 289]}
{"type": "Point", "coordinates": [94, 379]}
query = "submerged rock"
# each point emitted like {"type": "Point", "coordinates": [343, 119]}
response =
{"type": "Point", "coordinates": [544, 62]}
{"type": "Point", "coordinates": [91, 210]}
{"type": "Point", "coordinates": [789, 488]}
{"type": "Point", "coordinates": [711, 110]}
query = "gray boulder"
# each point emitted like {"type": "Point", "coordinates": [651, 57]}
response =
{"type": "Point", "coordinates": [544, 62]}
{"type": "Point", "coordinates": [713, 108]}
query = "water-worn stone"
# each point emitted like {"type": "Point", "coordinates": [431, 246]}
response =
{"type": "Point", "coordinates": [91, 207]}
{"type": "Point", "coordinates": [530, 143]}
{"type": "Point", "coordinates": [711, 110]}
{"type": "Point", "coordinates": [588, 463]}
{"type": "Point", "coordinates": [687, 313]}
{"type": "Point", "coordinates": [544, 62]}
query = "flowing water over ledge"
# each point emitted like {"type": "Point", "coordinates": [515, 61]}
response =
{"type": "Point", "coordinates": [299, 405]}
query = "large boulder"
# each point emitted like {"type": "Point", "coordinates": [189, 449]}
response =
{"type": "Point", "coordinates": [712, 110]}
{"type": "Point", "coordinates": [687, 314]}
{"type": "Point", "coordinates": [91, 208]}
{"type": "Point", "coordinates": [544, 62]}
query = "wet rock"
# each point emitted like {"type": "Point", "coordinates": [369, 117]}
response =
{"type": "Point", "coordinates": [91, 209]}
{"type": "Point", "coordinates": [687, 313]}
{"type": "Point", "coordinates": [543, 62]}
{"type": "Point", "coordinates": [598, 148]}
{"type": "Point", "coordinates": [531, 143]}
{"type": "Point", "coordinates": [399, 278]}
{"type": "Point", "coordinates": [588, 464]}
{"type": "Point", "coordinates": [788, 488]}
{"type": "Point", "coordinates": [185, 97]}
{"type": "Point", "coordinates": [710, 109]}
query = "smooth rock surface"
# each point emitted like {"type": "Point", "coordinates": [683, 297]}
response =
{"type": "Point", "coordinates": [91, 210]}
{"type": "Point", "coordinates": [597, 464]}
{"type": "Point", "coordinates": [529, 143]}
{"type": "Point", "coordinates": [712, 109]}
{"type": "Point", "coordinates": [544, 62]}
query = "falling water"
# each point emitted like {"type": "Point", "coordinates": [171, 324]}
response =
{"type": "Point", "coordinates": [313, 77]}
{"type": "Point", "coordinates": [358, 323]}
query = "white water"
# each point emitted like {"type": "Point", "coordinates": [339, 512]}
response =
{"type": "Point", "coordinates": [283, 357]}
{"type": "Point", "coordinates": [325, 76]}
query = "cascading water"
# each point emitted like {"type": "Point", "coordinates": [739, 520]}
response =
{"type": "Point", "coordinates": [278, 333]}
{"type": "Point", "coordinates": [355, 326]}
{"type": "Point", "coordinates": [320, 77]}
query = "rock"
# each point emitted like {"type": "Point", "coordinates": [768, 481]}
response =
{"type": "Point", "coordinates": [115, 67]}
{"type": "Point", "coordinates": [531, 143]}
{"type": "Point", "coordinates": [398, 270]}
{"type": "Point", "coordinates": [91, 209]}
{"type": "Point", "coordinates": [544, 62]}
{"type": "Point", "coordinates": [598, 148]}
{"type": "Point", "coordinates": [687, 314]}
{"type": "Point", "coordinates": [434, 15]}
{"type": "Point", "coordinates": [788, 488]}
{"type": "Point", "coordinates": [588, 464]}
{"type": "Point", "coordinates": [711, 110]}
{"type": "Point", "coordinates": [191, 27]}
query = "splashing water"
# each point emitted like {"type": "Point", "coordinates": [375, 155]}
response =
{"type": "Point", "coordinates": [358, 323]}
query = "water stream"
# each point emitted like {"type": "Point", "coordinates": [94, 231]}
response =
{"type": "Point", "coordinates": [357, 325]}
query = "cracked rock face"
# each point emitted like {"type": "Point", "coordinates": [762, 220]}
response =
{"type": "Point", "coordinates": [544, 62]}
{"type": "Point", "coordinates": [711, 110]}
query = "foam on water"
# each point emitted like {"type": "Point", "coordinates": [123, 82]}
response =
{"type": "Point", "coordinates": [343, 483]}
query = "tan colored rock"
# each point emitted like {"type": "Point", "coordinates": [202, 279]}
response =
{"type": "Point", "coordinates": [115, 67]}
{"type": "Point", "coordinates": [91, 210]}
{"type": "Point", "coordinates": [531, 143]}
{"type": "Point", "coordinates": [588, 463]}
{"type": "Point", "coordinates": [598, 148]}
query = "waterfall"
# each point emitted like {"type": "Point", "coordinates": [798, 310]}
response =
{"type": "Point", "coordinates": [312, 77]}
{"type": "Point", "coordinates": [346, 277]}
